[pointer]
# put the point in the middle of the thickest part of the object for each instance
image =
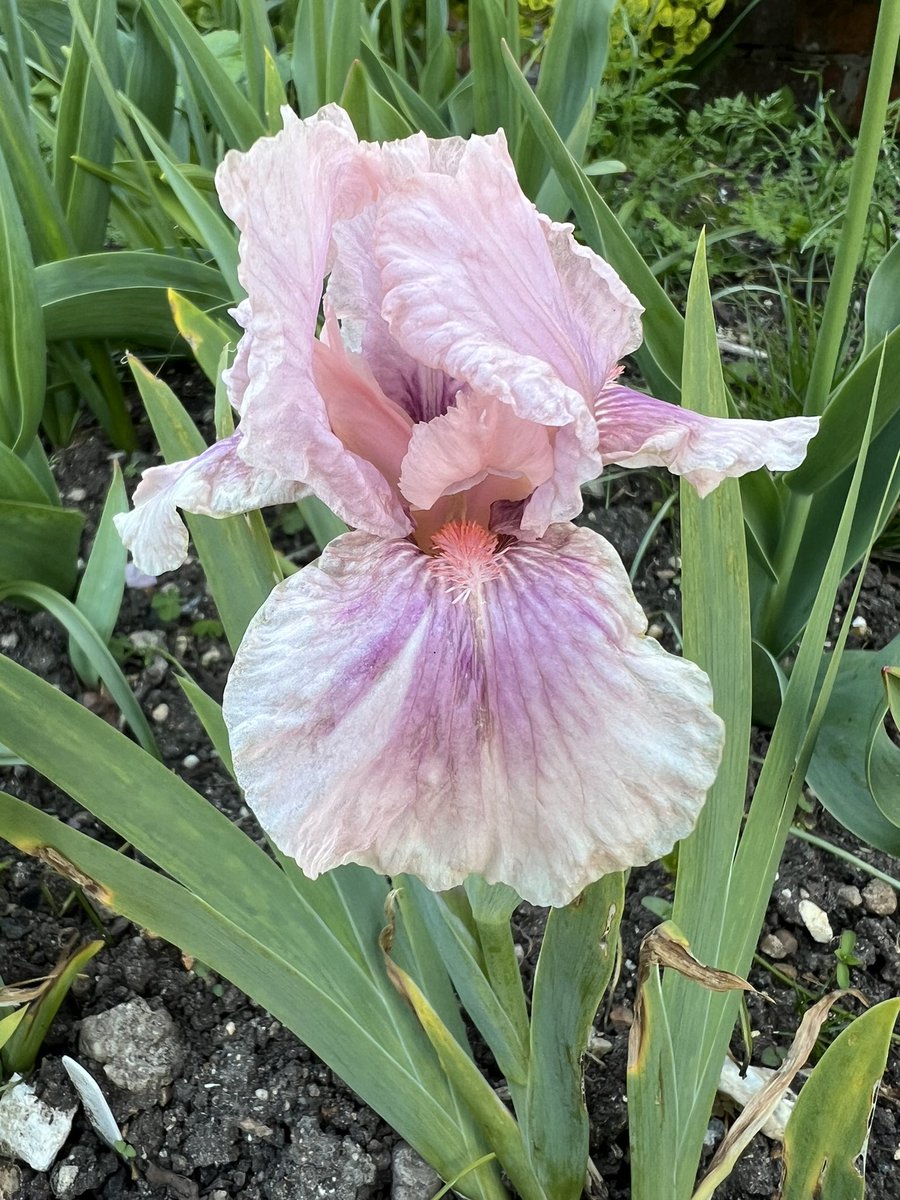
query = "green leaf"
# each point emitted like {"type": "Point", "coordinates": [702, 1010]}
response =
{"type": "Point", "coordinates": [320, 521]}
{"type": "Point", "coordinates": [231, 114]}
{"type": "Point", "coordinates": [85, 128]}
{"type": "Point", "coordinates": [891, 678]}
{"type": "Point", "coordinates": [22, 1048]}
{"type": "Point", "coordinates": [836, 446]}
{"type": "Point", "coordinates": [653, 1092]}
{"type": "Point", "coordinates": [93, 648]}
{"type": "Point", "coordinates": [838, 772]}
{"type": "Point", "coordinates": [572, 65]}
{"type": "Point", "coordinates": [39, 542]}
{"type": "Point", "coordinates": [663, 326]}
{"type": "Point", "coordinates": [122, 295]}
{"type": "Point", "coordinates": [39, 203]}
{"type": "Point", "coordinates": [9, 1024]}
{"type": "Point", "coordinates": [274, 95]}
{"type": "Point", "coordinates": [714, 582]}
{"type": "Point", "coordinates": [212, 230]}
{"type": "Point", "coordinates": [206, 336]}
{"type": "Point", "coordinates": [829, 1127]}
{"type": "Point", "coordinates": [344, 18]}
{"type": "Point", "coordinates": [150, 75]}
{"type": "Point", "coordinates": [276, 948]}
{"type": "Point", "coordinates": [394, 88]}
{"type": "Point", "coordinates": [883, 301]}
{"type": "Point", "coordinates": [374, 118]}
{"type": "Point", "coordinates": [16, 481]}
{"type": "Point", "coordinates": [878, 494]}
{"type": "Point", "coordinates": [257, 41]}
{"type": "Point", "coordinates": [235, 552]}
{"type": "Point", "coordinates": [309, 55]}
{"type": "Point", "coordinates": [492, 96]}
{"type": "Point", "coordinates": [578, 954]}
{"type": "Point", "coordinates": [11, 28]}
{"type": "Point", "coordinates": [491, 1115]}
{"type": "Point", "coordinates": [103, 582]}
{"type": "Point", "coordinates": [461, 956]}
{"type": "Point", "coordinates": [210, 715]}
{"type": "Point", "coordinates": [23, 360]}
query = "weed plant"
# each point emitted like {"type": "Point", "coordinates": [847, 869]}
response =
{"type": "Point", "coordinates": [768, 181]}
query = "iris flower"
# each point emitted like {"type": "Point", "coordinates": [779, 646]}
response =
{"type": "Point", "coordinates": [462, 684]}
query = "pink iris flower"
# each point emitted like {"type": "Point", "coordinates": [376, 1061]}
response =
{"type": "Point", "coordinates": [463, 683]}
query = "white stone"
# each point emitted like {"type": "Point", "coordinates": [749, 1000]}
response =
{"type": "Point", "coordinates": [30, 1129]}
{"type": "Point", "coordinates": [816, 921]}
{"type": "Point", "coordinates": [742, 1089]}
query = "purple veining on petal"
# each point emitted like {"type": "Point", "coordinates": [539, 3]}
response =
{"type": "Point", "coordinates": [501, 735]}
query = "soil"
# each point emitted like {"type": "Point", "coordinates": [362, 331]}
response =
{"type": "Point", "coordinates": [250, 1113]}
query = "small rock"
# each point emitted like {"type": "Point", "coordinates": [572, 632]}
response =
{"type": "Point", "coordinates": [210, 656]}
{"type": "Point", "coordinates": [655, 631]}
{"type": "Point", "coordinates": [816, 921]}
{"type": "Point", "coordinates": [30, 1129]}
{"type": "Point", "coordinates": [621, 1017]}
{"type": "Point", "coordinates": [138, 1047]}
{"type": "Point", "coordinates": [879, 898]}
{"type": "Point", "coordinates": [715, 1131]}
{"type": "Point", "coordinates": [160, 713]}
{"type": "Point", "coordinates": [9, 641]}
{"type": "Point", "coordinates": [780, 944]}
{"type": "Point", "coordinates": [10, 1180]}
{"type": "Point", "coordinates": [190, 761]}
{"type": "Point", "coordinates": [64, 1180]}
{"type": "Point", "coordinates": [76, 495]}
{"type": "Point", "coordinates": [147, 640]}
{"type": "Point", "coordinates": [599, 1046]}
{"type": "Point", "coordinates": [849, 895]}
{"type": "Point", "coordinates": [413, 1178]}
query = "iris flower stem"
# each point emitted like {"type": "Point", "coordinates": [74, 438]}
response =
{"type": "Point", "coordinates": [839, 852]}
{"type": "Point", "coordinates": [503, 972]}
{"type": "Point", "coordinates": [834, 318]}
{"type": "Point", "coordinates": [865, 162]}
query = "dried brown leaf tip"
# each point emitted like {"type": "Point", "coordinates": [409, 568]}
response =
{"type": "Point", "coordinates": [666, 946]}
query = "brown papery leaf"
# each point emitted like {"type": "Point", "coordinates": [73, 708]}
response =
{"type": "Point", "coordinates": [764, 1102]}
{"type": "Point", "coordinates": [666, 946]}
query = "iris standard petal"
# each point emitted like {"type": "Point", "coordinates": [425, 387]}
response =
{"type": "Point", "coordinates": [285, 194]}
{"type": "Point", "coordinates": [217, 483]}
{"type": "Point", "coordinates": [356, 289]}
{"type": "Point", "coordinates": [638, 431]}
{"type": "Point", "coordinates": [479, 285]}
{"type": "Point", "coordinates": [523, 729]}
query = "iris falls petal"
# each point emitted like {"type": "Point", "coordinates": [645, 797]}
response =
{"type": "Point", "coordinates": [501, 713]}
{"type": "Point", "coordinates": [217, 483]}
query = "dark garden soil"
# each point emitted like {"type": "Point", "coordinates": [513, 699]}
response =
{"type": "Point", "coordinates": [239, 1108]}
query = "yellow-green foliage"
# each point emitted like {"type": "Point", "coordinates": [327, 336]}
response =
{"type": "Point", "coordinates": [667, 30]}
